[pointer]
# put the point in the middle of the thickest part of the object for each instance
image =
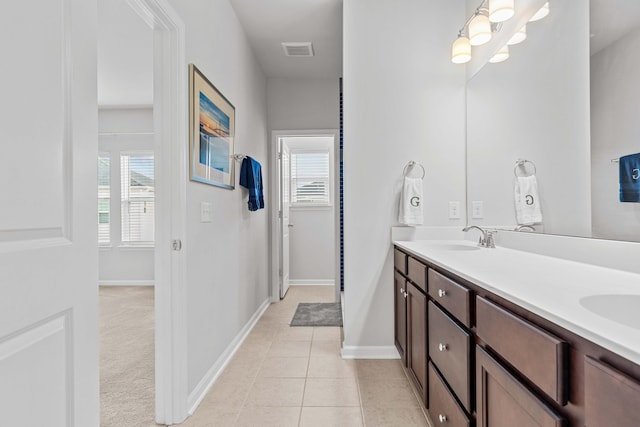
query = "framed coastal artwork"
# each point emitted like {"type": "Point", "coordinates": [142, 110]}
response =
{"type": "Point", "coordinates": [212, 120]}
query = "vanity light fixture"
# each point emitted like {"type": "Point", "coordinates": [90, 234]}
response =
{"type": "Point", "coordinates": [500, 10]}
{"type": "Point", "coordinates": [479, 28]}
{"type": "Point", "coordinates": [501, 55]}
{"type": "Point", "coordinates": [461, 50]}
{"type": "Point", "coordinates": [518, 37]}
{"type": "Point", "coordinates": [541, 13]}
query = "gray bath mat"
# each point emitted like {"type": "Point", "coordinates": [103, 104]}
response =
{"type": "Point", "coordinates": [317, 314]}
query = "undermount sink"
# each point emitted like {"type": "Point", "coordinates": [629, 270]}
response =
{"type": "Point", "coordinates": [623, 309]}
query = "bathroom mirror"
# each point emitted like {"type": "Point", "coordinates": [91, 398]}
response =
{"type": "Point", "coordinates": [567, 101]}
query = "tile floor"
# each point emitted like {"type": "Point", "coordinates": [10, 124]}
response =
{"type": "Point", "coordinates": [294, 376]}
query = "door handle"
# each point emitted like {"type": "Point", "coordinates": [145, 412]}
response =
{"type": "Point", "coordinates": [289, 225]}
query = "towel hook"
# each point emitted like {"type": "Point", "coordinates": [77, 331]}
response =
{"type": "Point", "coordinates": [409, 167]}
{"type": "Point", "coordinates": [523, 164]}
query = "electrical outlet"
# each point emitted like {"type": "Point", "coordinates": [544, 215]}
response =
{"type": "Point", "coordinates": [477, 210]}
{"type": "Point", "coordinates": [205, 212]}
{"type": "Point", "coordinates": [454, 210]}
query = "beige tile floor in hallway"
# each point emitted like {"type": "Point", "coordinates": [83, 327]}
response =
{"type": "Point", "coordinates": [294, 376]}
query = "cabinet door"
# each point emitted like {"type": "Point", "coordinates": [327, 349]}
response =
{"type": "Point", "coordinates": [611, 397]}
{"type": "Point", "coordinates": [504, 402]}
{"type": "Point", "coordinates": [400, 322]}
{"type": "Point", "coordinates": [417, 338]}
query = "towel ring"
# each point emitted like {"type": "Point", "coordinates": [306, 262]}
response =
{"type": "Point", "coordinates": [409, 167]}
{"type": "Point", "coordinates": [523, 164]}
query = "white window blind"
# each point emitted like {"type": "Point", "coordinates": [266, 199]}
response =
{"type": "Point", "coordinates": [104, 199]}
{"type": "Point", "coordinates": [309, 178]}
{"type": "Point", "coordinates": [137, 185]}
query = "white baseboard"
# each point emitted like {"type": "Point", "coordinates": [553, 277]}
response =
{"type": "Point", "coordinates": [203, 387]}
{"type": "Point", "coordinates": [323, 282]}
{"type": "Point", "coordinates": [370, 352]}
{"type": "Point", "coordinates": [126, 283]}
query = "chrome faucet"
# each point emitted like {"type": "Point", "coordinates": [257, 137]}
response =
{"type": "Point", "coordinates": [524, 228]}
{"type": "Point", "coordinates": [486, 239]}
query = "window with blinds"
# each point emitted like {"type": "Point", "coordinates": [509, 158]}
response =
{"type": "Point", "coordinates": [137, 186]}
{"type": "Point", "coordinates": [104, 199]}
{"type": "Point", "coordinates": [310, 178]}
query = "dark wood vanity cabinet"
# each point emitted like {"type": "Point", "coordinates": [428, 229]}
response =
{"type": "Point", "coordinates": [481, 360]}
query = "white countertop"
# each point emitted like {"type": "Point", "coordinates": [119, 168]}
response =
{"type": "Point", "coordinates": [575, 296]}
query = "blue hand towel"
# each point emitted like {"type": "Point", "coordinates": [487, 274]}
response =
{"type": "Point", "coordinates": [251, 179]}
{"type": "Point", "coordinates": [630, 178]}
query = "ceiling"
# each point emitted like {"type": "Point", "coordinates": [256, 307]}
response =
{"type": "Point", "coordinates": [125, 42]}
{"type": "Point", "coordinates": [268, 23]}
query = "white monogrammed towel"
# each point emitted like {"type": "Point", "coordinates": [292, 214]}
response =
{"type": "Point", "coordinates": [527, 200]}
{"type": "Point", "coordinates": [410, 212]}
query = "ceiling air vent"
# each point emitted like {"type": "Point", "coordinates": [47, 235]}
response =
{"type": "Point", "coordinates": [298, 48]}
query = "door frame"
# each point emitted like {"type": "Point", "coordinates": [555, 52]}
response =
{"type": "Point", "coordinates": [170, 129]}
{"type": "Point", "coordinates": [274, 218]}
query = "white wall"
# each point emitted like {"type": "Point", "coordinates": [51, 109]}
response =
{"type": "Point", "coordinates": [312, 237]}
{"type": "Point", "coordinates": [535, 106]}
{"type": "Point", "coordinates": [615, 130]}
{"type": "Point", "coordinates": [403, 100]}
{"type": "Point", "coordinates": [299, 104]}
{"type": "Point", "coordinates": [124, 130]}
{"type": "Point", "coordinates": [227, 259]}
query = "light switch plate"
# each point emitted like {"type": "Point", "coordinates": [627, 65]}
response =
{"type": "Point", "coordinates": [477, 210]}
{"type": "Point", "coordinates": [454, 210]}
{"type": "Point", "coordinates": [205, 212]}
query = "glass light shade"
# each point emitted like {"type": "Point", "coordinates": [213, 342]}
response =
{"type": "Point", "coordinates": [479, 30]}
{"type": "Point", "coordinates": [544, 11]}
{"type": "Point", "coordinates": [501, 55]}
{"type": "Point", "coordinates": [461, 51]}
{"type": "Point", "coordinates": [518, 37]}
{"type": "Point", "coordinates": [500, 10]}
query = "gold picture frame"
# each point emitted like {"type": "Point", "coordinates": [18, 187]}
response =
{"type": "Point", "coordinates": [212, 120]}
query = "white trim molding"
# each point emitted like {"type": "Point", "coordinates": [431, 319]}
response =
{"type": "Point", "coordinates": [370, 352]}
{"type": "Point", "coordinates": [126, 283]}
{"type": "Point", "coordinates": [205, 384]}
{"type": "Point", "coordinates": [313, 282]}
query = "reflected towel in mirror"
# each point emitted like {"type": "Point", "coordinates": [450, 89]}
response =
{"type": "Point", "coordinates": [527, 200]}
{"type": "Point", "coordinates": [630, 178]}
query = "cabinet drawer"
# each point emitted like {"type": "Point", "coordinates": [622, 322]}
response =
{"type": "Point", "coordinates": [400, 261]}
{"type": "Point", "coordinates": [450, 348]}
{"type": "Point", "coordinates": [417, 272]}
{"type": "Point", "coordinates": [505, 402]}
{"type": "Point", "coordinates": [538, 355]}
{"type": "Point", "coordinates": [443, 408]}
{"type": "Point", "coordinates": [454, 298]}
{"type": "Point", "coordinates": [611, 397]}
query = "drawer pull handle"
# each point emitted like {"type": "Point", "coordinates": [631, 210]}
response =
{"type": "Point", "coordinates": [442, 418]}
{"type": "Point", "coordinates": [442, 293]}
{"type": "Point", "coordinates": [443, 347]}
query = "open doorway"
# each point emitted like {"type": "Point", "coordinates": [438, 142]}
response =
{"type": "Point", "coordinates": [165, 43]}
{"type": "Point", "coordinates": [306, 217]}
{"type": "Point", "coordinates": [126, 215]}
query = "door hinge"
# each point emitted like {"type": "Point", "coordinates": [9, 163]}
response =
{"type": "Point", "coordinates": [279, 156]}
{"type": "Point", "coordinates": [280, 214]}
{"type": "Point", "coordinates": [176, 245]}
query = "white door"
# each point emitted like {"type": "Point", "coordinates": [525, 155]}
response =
{"type": "Point", "coordinates": [285, 191]}
{"type": "Point", "coordinates": [48, 214]}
